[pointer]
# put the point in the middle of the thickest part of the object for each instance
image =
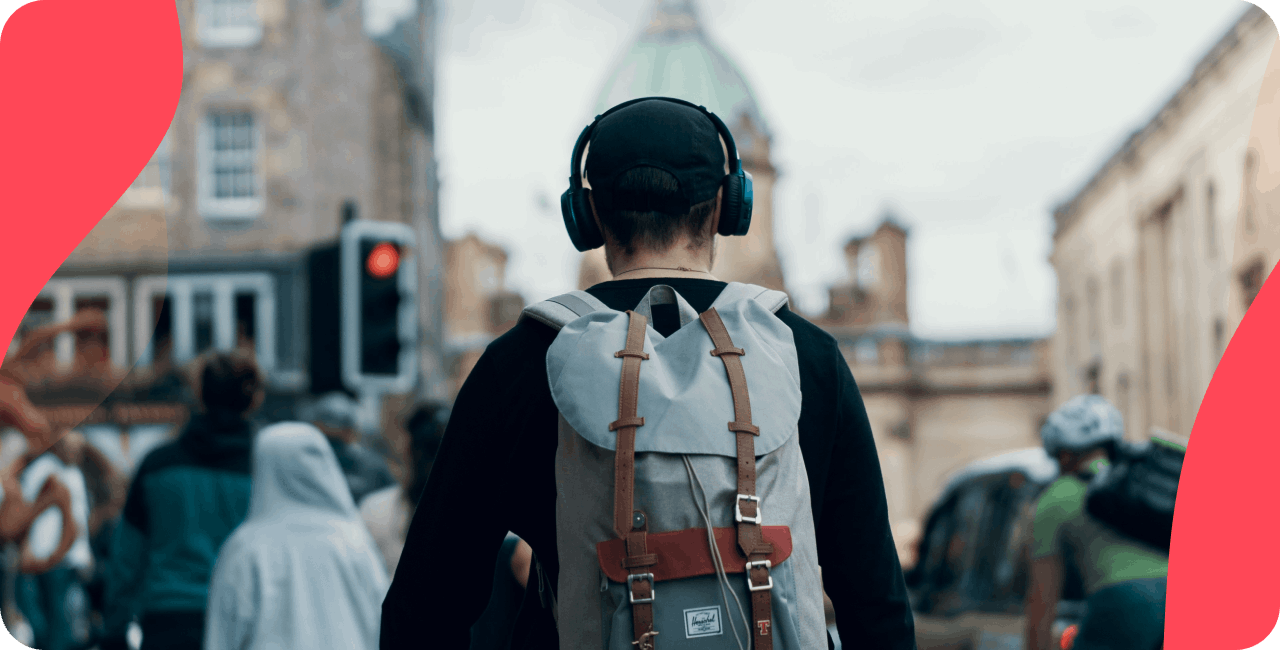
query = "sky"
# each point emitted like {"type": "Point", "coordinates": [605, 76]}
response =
{"type": "Point", "coordinates": [970, 119]}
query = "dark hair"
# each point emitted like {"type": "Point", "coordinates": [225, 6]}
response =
{"type": "Point", "coordinates": [229, 381]}
{"type": "Point", "coordinates": [653, 230]}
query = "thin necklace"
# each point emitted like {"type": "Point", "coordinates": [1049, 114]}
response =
{"type": "Point", "coordinates": [661, 268]}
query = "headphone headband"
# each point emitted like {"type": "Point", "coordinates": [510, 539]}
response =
{"type": "Point", "coordinates": [735, 216]}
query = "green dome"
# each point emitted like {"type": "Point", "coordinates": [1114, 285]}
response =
{"type": "Point", "coordinates": [674, 57]}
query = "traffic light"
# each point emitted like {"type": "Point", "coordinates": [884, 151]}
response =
{"type": "Point", "coordinates": [379, 307]}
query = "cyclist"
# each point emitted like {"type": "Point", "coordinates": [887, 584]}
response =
{"type": "Point", "coordinates": [1124, 579]}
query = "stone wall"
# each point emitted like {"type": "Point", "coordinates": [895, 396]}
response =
{"type": "Point", "coordinates": [1143, 253]}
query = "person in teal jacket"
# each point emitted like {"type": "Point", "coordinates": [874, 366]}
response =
{"type": "Point", "coordinates": [185, 500]}
{"type": "Point", "coordinates": [1124, 579]}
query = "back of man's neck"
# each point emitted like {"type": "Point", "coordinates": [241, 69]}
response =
{"type": "Point", "coordinates": [661, 272]}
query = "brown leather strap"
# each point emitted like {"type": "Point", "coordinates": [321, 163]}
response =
{"type": "Point", "coordinates": [642, 618]}
{"type": "Point", "coordinates": [639, 561]}
{"type": "Point", "coordinates": [641, 588]}
{"type": "Point", "coordinates": [628, 523]}
{"type": "Point", "coordinates": [762, 620]}
{"type": "Point", "coordinates": [750, 538]}
{"type": "Point", "coordinates": [626, 424]}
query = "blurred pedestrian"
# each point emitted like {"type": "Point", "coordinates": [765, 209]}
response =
{"type": "Point", "coordinates": [54, 602]}
{"type": "Point", "coordinates": [387, 512]}
{"type": "Point", "coordinates": [365, 470]}
{"type": "Point", "coordinates": [34, 363]}
{"type": "Point", "coordinates": [186, 498]}
{"type": "Point", "coordinates": [301, 572]}
{"type": "Point", "coordinates": [1124, 580]}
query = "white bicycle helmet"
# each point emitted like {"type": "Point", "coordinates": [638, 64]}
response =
{"type": "Point", "coordinates": [1083, 423]}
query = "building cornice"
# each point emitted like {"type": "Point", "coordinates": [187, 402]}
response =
{"type": "Point", "coordinates": [1066, 212]}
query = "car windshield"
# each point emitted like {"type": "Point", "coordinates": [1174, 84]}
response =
{"type": "Point", "coordinates": [973, 555]}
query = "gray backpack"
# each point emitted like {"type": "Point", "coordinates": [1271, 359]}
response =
{"type": "Point", "coordinates": [667, 478]}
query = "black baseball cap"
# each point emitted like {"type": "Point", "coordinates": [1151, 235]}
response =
{"type": "Point", "coordinates": [678, 139]}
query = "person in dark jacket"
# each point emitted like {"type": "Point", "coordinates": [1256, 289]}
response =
{"type": "Point", "coordinates": [186, 498]}
{"type": "Point", "coordinates": [495, 471]}
{"type": "Point", "coordinates": [365, 470]}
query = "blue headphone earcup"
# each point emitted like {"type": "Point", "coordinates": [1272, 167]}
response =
{"type": "Point", "coordinates": [735, 208]}
{"type": "Point", "coordinates": [578, 221]}
{"type": "Point", "coordinates": [747, 204]}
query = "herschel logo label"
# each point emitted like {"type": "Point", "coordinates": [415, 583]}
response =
{"type": "Point", "coordinates": [702, 621]}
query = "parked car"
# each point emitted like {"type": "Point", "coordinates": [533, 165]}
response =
{"type": "Point", "coordinates": [969, 584]}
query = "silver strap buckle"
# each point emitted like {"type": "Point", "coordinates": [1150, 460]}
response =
{"type": "Point", "coordinates": [631, 592]}
{"type": "Point", "coordinates": [759, 563]}
{"type": "Point", "coordinates": [737, 510]}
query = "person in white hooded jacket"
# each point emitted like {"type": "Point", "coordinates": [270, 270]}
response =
{"type": "Point", "coordinates": [302, 571]}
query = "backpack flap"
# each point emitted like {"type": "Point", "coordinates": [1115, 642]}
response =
{"type": "Point", "coordinates": [683, 390]}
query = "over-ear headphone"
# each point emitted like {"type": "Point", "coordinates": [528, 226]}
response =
{"type": "Point", "coordinates": [735, 206]}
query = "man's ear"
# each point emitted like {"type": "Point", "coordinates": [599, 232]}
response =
{"type": "Point", "coordinates": [604, 234]}
{"type": "Point", "coordinates": [715, 214]}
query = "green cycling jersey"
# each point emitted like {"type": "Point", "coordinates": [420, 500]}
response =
{"type": "Point", "coordinates": [1104, 556]}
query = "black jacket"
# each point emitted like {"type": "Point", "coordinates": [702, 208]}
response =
{"type": "Point", "coordinates": [495, 473]}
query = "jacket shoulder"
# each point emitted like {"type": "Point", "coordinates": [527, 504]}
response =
{"type": "Point", "coordinates": [808, 335]}
{"type": "Point", "coordinates": [168, 455]}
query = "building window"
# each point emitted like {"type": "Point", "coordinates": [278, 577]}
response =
{"type": "Point", "coordinates": [182, 316]}
{"type": "Point", "coordinates": [868, 266]}
{"type": "Point", "coordinates": [1093, 377]}
{"type": "Point", "coordinates": [151, 187]}
{"type": "Point", "coordinates": [230, 170]}
{"type": "Point", "coordinates": [61, 299]}
{"type": "Point", "coordinates": [1023, 355]}
{"type": "Point", "coordinates": [1122, 397]}
{"type": "Point", "coordinates": [866, 352]}
{"type": "Point", "coordinates": [1117, 293]}
{"type": "Point", "coordinates": [1250, 182]}
{"type": "Point", "coordinates": [1219, 336]}
{"type": "Point", "coordinates": [1251, 282]}
{"type": "Point", "coordinates": [1069, 328]}
{"type": "Point", "coordinates": [1093, 300]}
{"type": "Point", "coordinates": [1210, 221]}
{"type": "Point", "coordinates": [229, 23]}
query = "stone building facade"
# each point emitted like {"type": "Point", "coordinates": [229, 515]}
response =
{"type": "Point", "coordinates": [1143, 252]}
{"type": "Point", "coordinates": [291, 121]}
{"type": "Point", "coordinates": [934, 406]}
{"type": "Point", "coordinates": [1257, 231]}
{"type": "Point", "coordinates": [477, 306]}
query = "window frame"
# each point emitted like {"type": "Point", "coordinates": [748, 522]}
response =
{"type": "Point", "coordinates": [233, 209]}
{"type": "Point", "coordinates": [866, 352]}
{"type": "Point", "coordinates": [63, 292]}
{"type": "Point", "coordinates": [227, 36]}
{"type": "Point", "coordinates": [181, 290]}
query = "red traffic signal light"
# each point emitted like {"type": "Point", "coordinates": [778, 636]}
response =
{"type": "Point", "coordinates": [383, 260]}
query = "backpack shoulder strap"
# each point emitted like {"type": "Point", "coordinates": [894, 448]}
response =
{"type": "Point", "coordinates": [737, 292]}
{"type": "Point", "coordinates": [559, 311]}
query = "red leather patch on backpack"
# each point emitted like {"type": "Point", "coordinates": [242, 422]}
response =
{"type": "Point", "coordinates": [686, 554]}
